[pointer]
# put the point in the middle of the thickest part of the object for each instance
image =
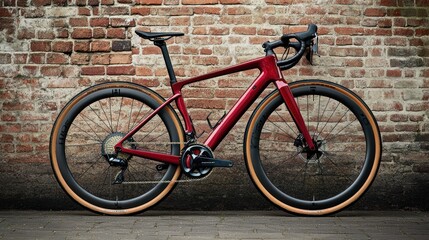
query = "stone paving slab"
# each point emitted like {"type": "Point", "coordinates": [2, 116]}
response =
{"type": "Point", "coordinates": [247, 225]}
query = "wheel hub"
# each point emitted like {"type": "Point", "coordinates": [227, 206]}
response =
{"type": "Point", "coordinates": [108, 146]}
{"type": "Point", "coordinates": [304, 151]}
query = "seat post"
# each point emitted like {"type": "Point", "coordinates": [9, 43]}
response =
{"type": "Point", "coordinates": [161, 44]}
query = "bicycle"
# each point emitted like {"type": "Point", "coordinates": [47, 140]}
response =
{"type": "Point", "coordinates": [311, 147]}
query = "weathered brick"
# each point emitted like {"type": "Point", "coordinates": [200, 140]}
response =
{"type": "Point", "coordinates": [199, 2]}
{"type": "Point", "coordinates": [7, 12]}
{"type": "Point", "coordinates": [93, 70]}
{"type": "Point", "coordinates": [84, 11]}
{"type": "Point", "coordinates": [62, 46]}
{"type": "Point", "coordinates": [57, 58]}
{"type": "Point", "coordinates": [81, 2]}
{"type": "Point", "coordinates": [81, 33]}
{"type": "Point", "coordinates": [51, 71]}
{"type": "Point", "coordinates": [409, 62]}
{"type": "Point", "coordinates": [149, 2]}
{"type": "Point", "coordinates": [82, 46]}
{"type": "Point", "coordinates": [39, 3]}
{"type": "Point", "coordinates": [349, 30]}
{"type": "Point", "coordinates": [26, 33]}
{"type": "Point", "coordinates": [118, 46]}
{"type": "Point", "coordinates": [122, 22]}
{"type": "Point", "coordinates": [99, 22]}
{"type": "Point", "coordinates": [231, 1]}
{"type": "Point", "coordinates": [116, 33]}
{"type": "Point", "coordinates": [93, 2]}
{"type": "Point", "coordinates": [375, 12]}
{"type": "Point", "coordinates": [59, 2]}
{"type": "Point", "coordinates": [62, 33]}
{"type": "Point", "coordinates": [20, 58]}
{"type": "Point", "coordinates": [100, 59]}
{"type": "Point", "coordinates": [40, 46]}
{"type": "Point", "coordinates": [121, 70]}
{"type": "Point", "coordinates": [207, 10]}
{"type": "Point", "coordinates": [143, 11]}
{"type": "Point", "coordinates": [79, 59]}
{"type": "Point", "coordinates": [38, 58]}
{"type": "Point", "coordinates": [100, 46]}
{"type": "Point", "coordinates": [99, 33]}
{"type": "Point", "coordinates": [78, 22]}
{"type": "Point", "coordinates": [114, 11]}
{"type": "Point", "coordinates": [5, 58]}
{"type": "Point", "coordinates": [244, 30]}
{"type": "Point", "coordinates": [120, 59]}
{"type": "Point", "coordinates": [144, 71]}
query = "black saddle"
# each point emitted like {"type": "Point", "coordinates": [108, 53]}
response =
{"type": "Point", "coordinates": [158, 35]}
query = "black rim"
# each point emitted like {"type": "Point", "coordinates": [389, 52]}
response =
{"type": "Point", "coordinates": [315, 203]}
{"type": "Point", "coordinates": [140, 198]}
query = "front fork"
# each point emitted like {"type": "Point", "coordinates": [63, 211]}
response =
{"type": "Point", "coordinates": [292, 106]}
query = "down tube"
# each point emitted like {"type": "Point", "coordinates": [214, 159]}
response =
{"type": "Point", "coordinates": [240, 107]}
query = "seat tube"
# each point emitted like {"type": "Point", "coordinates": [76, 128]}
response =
{"type": "Point", "coordinates": [163, 46]}
{"type": "Point", "coordinates": [293, 108]}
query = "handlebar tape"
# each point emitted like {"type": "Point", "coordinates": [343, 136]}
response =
{"type": "Point", "coordinates": [302, 36]}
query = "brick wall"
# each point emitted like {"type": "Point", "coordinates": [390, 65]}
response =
{"type": "Point", "coordinates": [52, 49]}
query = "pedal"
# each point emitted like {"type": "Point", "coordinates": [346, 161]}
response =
{"type": "Point", "coordinates": [211, 162]}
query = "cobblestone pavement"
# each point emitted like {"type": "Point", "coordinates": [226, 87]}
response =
{"type": "Point", "coordinates": [213, 225]}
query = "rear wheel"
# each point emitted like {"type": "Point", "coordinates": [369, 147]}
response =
{"type": "Point", "coordinates": [84, 159]}
{"type": "Point", "coordinates": [325, 180]}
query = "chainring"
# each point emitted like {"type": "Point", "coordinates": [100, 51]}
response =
{"type": "Point", "coordinates": [189, 154]}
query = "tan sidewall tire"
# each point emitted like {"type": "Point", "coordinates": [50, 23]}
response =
{"type": "Point", "coordinates": [57, 171]}
{"type": "Point", "coordinates": [338, 207]}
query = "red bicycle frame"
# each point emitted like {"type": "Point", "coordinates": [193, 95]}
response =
{"type": "Point", "coordinates": [269, 73]}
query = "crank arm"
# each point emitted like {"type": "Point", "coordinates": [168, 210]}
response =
{"type": "Point", "coordinates": [211, 162]}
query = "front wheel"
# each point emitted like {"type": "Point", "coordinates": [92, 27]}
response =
{"type": "Point", "coordinates": [321, 181]}
{"type": "Point", "coordinates": [86, 163]}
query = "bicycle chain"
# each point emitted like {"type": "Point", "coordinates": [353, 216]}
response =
{"type": "Point", "coordinates": [169, 181]}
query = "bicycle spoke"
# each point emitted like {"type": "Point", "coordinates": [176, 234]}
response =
{"type": "Point", "coordinates": [83, 144]}
{"type": "Point", "coordinates": [308, 115]}
{"type": "Point", "coordinates": [281, 129]}
{"type": "Point", "coordinates": [119, 114]}
{"type": "Point", "coordinates": [99, 119]}
{"type": "Point", "coordinates": [137, 117]}
{"type": "Point", "coordinates": [107, 118]}
{"type": "Point", "coordinates": [326, 137]}
{"type": "Point", "coordinates": [335, 164]}
{"type": "Point", "coordinates": [327, 121]}
{"type": "Point", "coordinates": [84, 119]}
{"type": "Point", "coordinates": [131, 110]}
{"type": "Point", "coordinates": [90, 167]}
{"type": "Point", "coordinates": [111, 116]}
{"type": "Point", "coordinates": [337, 134]}
{"type": "Point", "coordinates": [151, 131]}
{"type": "Point", "coordinates": [319, 117]}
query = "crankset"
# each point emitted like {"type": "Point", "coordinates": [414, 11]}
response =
{"type": "Point", "coordinates": [198, 160]}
